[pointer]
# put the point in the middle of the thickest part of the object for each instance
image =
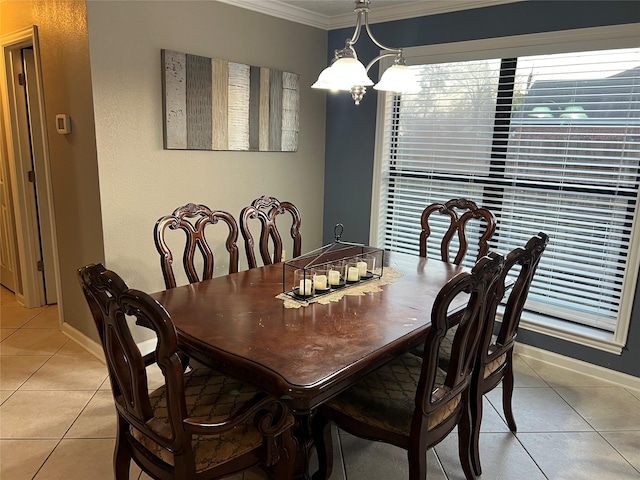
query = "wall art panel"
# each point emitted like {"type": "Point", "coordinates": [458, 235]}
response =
{"type": "Point", "coordinates": [214, 104]}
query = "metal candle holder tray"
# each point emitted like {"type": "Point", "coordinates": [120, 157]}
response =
{"type": "Point", "coordinates": [330, 268]}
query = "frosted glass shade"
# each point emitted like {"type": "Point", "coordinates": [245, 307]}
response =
{"type": "Point", "coordinates": [398, 78]}
{"type": "Point", "coordinates": [325, 80]}
{"type": "Point", "coordinates": [342, 75]}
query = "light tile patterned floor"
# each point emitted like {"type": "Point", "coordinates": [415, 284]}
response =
{"type": "Point", "coordinates": [57, 419]}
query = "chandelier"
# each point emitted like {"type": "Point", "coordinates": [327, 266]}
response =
{"type": "Point", "coordinates": [346, 72]}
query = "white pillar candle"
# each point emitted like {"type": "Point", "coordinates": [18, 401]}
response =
{"type": "Point", "coordinates": [353, 274]}
{"type": "Point", "coordinates": [362, 268]}
{"type": "Point", "coordinates": [305, 287]}
{"type": "Point", "coordinates": [320, 282]}
{"type": "Point", "coordinates": [334, 277]}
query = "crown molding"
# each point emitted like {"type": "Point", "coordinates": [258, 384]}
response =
{"type": "Point", "coordinates": [412, 10]}
{"type": "Point", "coordinates": [286, 12]}
{"type": "Point", "coordinates": [383, 14]}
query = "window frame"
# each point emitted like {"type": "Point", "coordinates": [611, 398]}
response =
{"type": "Point", "coordinates": [597, 38]}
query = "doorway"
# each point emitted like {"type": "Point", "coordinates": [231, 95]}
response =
{"type": "Point", "coordinates": [35, 279]}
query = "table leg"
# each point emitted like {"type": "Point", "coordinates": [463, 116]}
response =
{"type": "Point", "coordinates": [285, 467]}
{"type": "Point", "coordinates": [298, 448]}
{"type": "Point", "coordinates": [304, 438]}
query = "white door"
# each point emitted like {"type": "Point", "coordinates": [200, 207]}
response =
{"type": "Point", "coordinates": [39, 176]}
{"type": "Point", "coordinates": [8, 252]}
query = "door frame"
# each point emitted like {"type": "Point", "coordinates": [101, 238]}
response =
{"type": "Point", "coordinates": [25, 209]}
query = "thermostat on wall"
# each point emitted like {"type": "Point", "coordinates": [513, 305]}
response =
{"type": "Point", "coordinates": [63, 123]}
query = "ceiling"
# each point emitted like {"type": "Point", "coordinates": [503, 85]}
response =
{"type": "Point", "coordinates": [332, 8]}
{"type": "Point", "coordinates": [332, 14]}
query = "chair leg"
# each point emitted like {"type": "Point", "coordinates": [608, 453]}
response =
{"type": "Point", "coordinates": [464, 440]}
{"type": "Point", "coordinates": [507, 392]}
{"type": "Point", "coordinates": [324, 446]}
{"type": "Point", "coordinates": [417, 462]}
{"type": "Point", "coordinates": [122, 454]}
{"type": "Point", "coordinates": [476, 407]}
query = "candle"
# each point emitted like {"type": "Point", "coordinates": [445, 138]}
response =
{"type": "Point", "coordinates": [305, 287]}
{"type": "Point", "coordinates": [334, 277]}
{"type": "Point", "coordinates": [320, 282]}
{"type": "Point", "coordinates": [353, 274]}
{"type": "Point", "coordinates": [362, 268]}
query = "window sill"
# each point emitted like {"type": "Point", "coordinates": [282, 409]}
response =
{"type": "Point", "coordinates": [571, 332]}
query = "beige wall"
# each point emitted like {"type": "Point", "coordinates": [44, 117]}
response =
{"type": "Point", "coordinates": [139, 181]}
{"type": "Point", "coordinates": [67, 89]}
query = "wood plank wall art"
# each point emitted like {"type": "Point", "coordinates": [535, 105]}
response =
{"type": "Point", "coordinates": [213, 104]}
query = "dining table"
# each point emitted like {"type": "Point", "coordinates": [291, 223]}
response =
{"type": "Point", "coordinates": [239, 324]}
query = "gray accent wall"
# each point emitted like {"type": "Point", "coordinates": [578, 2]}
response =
{"type": "Point", "coordinates": [350, 129]}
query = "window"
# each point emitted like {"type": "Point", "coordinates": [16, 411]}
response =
{"type": "Point", "coordinates": [549, 142]}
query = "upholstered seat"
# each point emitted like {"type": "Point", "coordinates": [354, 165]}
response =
{"type": "Point", "coordinates": [447, 345]}
{"type": "Point", "coordinates": [494, 365]}
{"type": "Point", "coordinates": [386, 397]}
{"type": "Point", "coordinates": [210, 397]}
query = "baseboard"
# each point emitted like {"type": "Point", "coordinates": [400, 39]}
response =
{"type": "Point", "coordinates": [95, 348]}
{"type": "Point", "coordinates": [596, 371]}
{"type": "Point", "coordinates": [20, 299]}
{"type": "Point", "coordinates": [85, 342]}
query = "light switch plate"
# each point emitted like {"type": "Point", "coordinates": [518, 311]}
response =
{"type": "Point", "coordinates": [63, 123]}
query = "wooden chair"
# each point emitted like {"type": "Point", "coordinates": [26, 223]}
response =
{"type": "Point", "coordinates": [183, 219]}
{"type": "Point", "coordinates": [495, 355]}
{"type": "Point", "coordinates": [458, 228]}
{"type": "Point", "coordinates": [410, 402]}
{"type": "Point", "coordinates": [198, 425]}
{"type": "Point", "coordinates": [266, 209]}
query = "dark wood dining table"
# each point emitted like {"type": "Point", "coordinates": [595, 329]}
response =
{"type": "Point", "coordinates": [235, 324]}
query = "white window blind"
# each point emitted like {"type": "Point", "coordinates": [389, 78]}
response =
{"type": "Point", "coordinates": [549, 143]}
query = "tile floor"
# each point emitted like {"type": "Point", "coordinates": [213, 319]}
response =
{"type": "Point", "coordinates": [57, 420]}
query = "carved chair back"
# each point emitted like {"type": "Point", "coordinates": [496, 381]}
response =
{"type": "Point", "coordinates": [111, 302]}
{"type": "Point", "coordinates": [527, 259]}
{"type": "Point", "coordinates": [266, 210]}
{"type": "Point", "coordinates": [478, 285]}
{"type": "Point", "coordinates": [194, 221]}
{"type": "Point", "coordinates": [457, 212]}
{"type": "Point", "coordinates": [495, 357]}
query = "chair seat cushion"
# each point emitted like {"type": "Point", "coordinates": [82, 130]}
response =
{"type": "Point", "coordinates": [494, 365]}
{"type": "Point", "coordinates": [210, 397]}
{"type": "Point", "coordinates": [446, 346]}
{"type": "Point", "coordinates": [386, 397]}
